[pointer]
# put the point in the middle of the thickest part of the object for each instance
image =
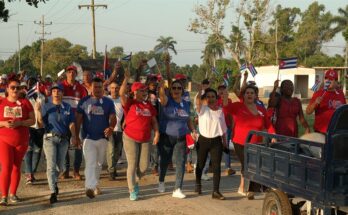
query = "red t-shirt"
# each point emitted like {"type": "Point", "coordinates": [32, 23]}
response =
{"type": "Point", "coordinates": [138, 117]}
{"type": "Point", "coordinates": [227, 117]}
{"type": "Point", "coordinates": [244, 121]}
{"type": "Point", "coordinates": [73, 93]}
{"type": "Point", "coordinates": [323, 112]}
{"type": "Point", "coordinates": [18, 111]}
{"type": "Point", "coordinates": [287, 113]}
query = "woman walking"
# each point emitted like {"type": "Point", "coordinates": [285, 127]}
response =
{"type": "Point", "coordinates": [212, 129]}
{"type": "Point", "coordinates": [58, 119]}
{"type": "Point", "coordinates": [175, 124]}
{"type": "Point", "coordinates": [16, 115]}
{"type": "Point", "coordinates": [247, 116]}
{"type": "Point", "coordinates": [140, 118]}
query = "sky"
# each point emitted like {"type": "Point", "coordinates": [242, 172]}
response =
{"type": "Point", "coordinates": [133, 24]}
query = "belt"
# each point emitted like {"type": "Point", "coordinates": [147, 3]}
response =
{"type": "Point", "coordinates": [51, 134]}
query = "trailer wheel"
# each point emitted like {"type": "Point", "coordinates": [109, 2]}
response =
{"type": "Point", "coordinates": [276, 203]}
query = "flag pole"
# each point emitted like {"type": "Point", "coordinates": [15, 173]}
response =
{"type": "Point", "coordinates": [105, 61]}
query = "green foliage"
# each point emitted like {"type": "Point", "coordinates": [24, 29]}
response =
{"type": "Point", "coordinates": [4, 13]}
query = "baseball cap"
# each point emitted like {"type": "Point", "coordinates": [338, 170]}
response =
{"type": "Point", "coordinates": [331, 74]}
{"type": "Point", "coordinates": [23, 84]}
{"type": "Point", "coordinates": [71, 67]}
{"type": "Point", "coordinates": [57, 86]}
{"type": "Point", "coordinates": [180, 77]}
{"type": "Point", "coordinates": [48, 76]}
{"type": "Point", "coordinates": [138, 86]}
{"type": "Point", "coordinates": [4, 76]}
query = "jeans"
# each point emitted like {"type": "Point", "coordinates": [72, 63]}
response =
{"type": "Point", "coordinates": [32, 157]}
{"type": "Point", "coordinates": [227, 156]}
{"type": "Point", "coordinates": [168, 146]}
{"type": "Point", "coordinates": [77, 157]}
{"type": "Point", "coordinates": [94, 152]}
{"type": "Point", "coordinates": [138, 156]}
{"type": "Point", "coordinates": [214, 146]}
{"type": "Point", "coordinates": [114, 150]}
{"type": "Point", "coordinates": [55, 149]}
{"type": "Point", "coordinates": [154, 155]}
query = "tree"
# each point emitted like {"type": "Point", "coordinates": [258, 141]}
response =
{"type": "Point", "coordinates": [116, 52]}
{"type": "Point", "coordinates": [4, 13]}
{"type": "Point", "coordinates": [166, 43]}
{"type": "Point", "coordinates": [214, 49]}
{"type": "Point", "coordinates": [314, 29]}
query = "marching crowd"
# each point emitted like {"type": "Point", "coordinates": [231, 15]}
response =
{"type": "Point", "coordinates": [151, 122]}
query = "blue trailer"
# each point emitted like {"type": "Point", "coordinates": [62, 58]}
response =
{"type": "Point", "coordinates": [291, 174]}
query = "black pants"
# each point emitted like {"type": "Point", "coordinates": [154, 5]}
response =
{"type": "Point", "coordinates": [214, 146]}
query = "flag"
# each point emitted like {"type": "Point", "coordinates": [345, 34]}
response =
{"type": "Point", "coordinates": [106, 66]}
{"type": "Point", "coordinates": [213, 69]}
{"type": "Point", "coordinates": [61, 73]}
{"type": "Point", "coordinates": [243, 67]}
{"type": "Point", "coordinates": [127, 58]}
{"type": "Point", "coordinates": [34, 90]}
{"type": "Point", "coordinates": [148, 71]}
{"type": "Point", "coordinates": [316, 86]}
{"type": "Point", "coordinates": [326, 85]}
{"type": "Point", "coordinates": [160, 50]}
{"type": "Point", "coordinates": [152, 62]}
{"type": "Point", "coordinates": [252, 70]}
{"type": "Point", "coordinates": [226, 78]}
{"type": "Point", "coordinates": [288, 63]}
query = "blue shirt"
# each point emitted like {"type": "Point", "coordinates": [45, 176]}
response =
{"type": "Point", "coordinates": [95, 113]}
{"type": "Point", "coordinates": [174, 118]}
{"type": "Point", "coordinates": [57, 118]}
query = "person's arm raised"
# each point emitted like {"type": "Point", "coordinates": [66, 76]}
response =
{"type": "Point", "coordinates": [162, 94]}
{"type": "Point", "coordinates": [123, 89]}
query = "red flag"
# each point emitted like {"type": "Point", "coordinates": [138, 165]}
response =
{"type": "Point", "coordinates": [106, 62]}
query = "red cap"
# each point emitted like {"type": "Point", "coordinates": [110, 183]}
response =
{"type": "Point", "coordinates": [331, 74]}
{"type": "Point", "coordinates": [99, 75]}
{"type": "Point", "coordinates": [180, 77]}
{"type": "Point", "coordinates": [138, 86]}
{"type": "Point", "coordinates": [71, 67]}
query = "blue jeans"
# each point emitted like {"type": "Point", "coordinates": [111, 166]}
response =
{"type": "Point", "coordinates": [227, 156]}
{"type": "Point", "coordinates": [114, 150]}
{"type": "Point", "coordinates": [168, 146]}
{"type": "Point", "coordinates": [55, 149]}
{"type": "Point", "coordinates": [32, 157]}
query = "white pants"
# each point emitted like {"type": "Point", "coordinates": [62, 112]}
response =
{"type": "Point", "coordinates": [94, 152]}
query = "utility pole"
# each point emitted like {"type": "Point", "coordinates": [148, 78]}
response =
{"type": "Point", "coordinates": [19, 49]}
{"type": "Point", "coordinates": [276, 41]}
{"type": "Point", "coordinates": [345, 70]}
{"type": "Point", "coordinates": [93, 7]}
{"type": "Point", "coordinates": [43, 33]}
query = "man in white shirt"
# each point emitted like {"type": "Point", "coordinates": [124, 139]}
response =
{"type": "Point", "coordinates": [115, 143]}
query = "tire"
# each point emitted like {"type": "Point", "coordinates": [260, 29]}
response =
{"type": "Point", "coordinates": [276, 203]}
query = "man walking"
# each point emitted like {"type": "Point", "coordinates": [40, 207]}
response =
{"type": "Point", "coordinates": [96, 113]}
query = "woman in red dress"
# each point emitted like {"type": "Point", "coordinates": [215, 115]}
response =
{"type": "Point", "coordinates": [16, 115]}
{"type": "Point", "coordinates": [286, 109]}
{"type": "Point", "coordinates": [247, 116]}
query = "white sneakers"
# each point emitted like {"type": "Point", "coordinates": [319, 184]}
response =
{"type": "Point", "coordinates": [178, 194]}
{"type": "Point", "coordinates": [205, 177]}
{"type": "Point", "coordinates": [161, 188]}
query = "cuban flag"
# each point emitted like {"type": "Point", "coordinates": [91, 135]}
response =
{"type": "Point", "coordinates": [316, 86]}
{"type": "Point", "coordinates": [226, 78]}
{"type": "Point", "coordinates": [34, 90]}
{"type": "Point", "coordinates": [160, 50]}
{"type": "Point", "coordinates": [213, 69]}
{"type": "Point", "coordinates": [288, 63]}
{"type": "Point", "coordinates": [243, 67]}
{"type": "Point", "coordinates": [326, 85]}
{"type": "Point", "coordinates": [127, 58]}
{"type": "Point", "coordinates": [252, 70]}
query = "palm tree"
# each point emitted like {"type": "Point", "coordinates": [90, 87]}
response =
{"type": "Point", "coordinates": [166, 43]}
{"type": "Point", "coordinates": [214, 49]}
{"type": "Point", "coordinates": [341, 22]}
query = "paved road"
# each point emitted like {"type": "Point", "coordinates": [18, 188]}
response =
{"type": "Point", "coordinates": [115, 198]}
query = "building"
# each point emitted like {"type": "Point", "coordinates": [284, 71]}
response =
{"type": "Point", "coordinates": [303, 79]}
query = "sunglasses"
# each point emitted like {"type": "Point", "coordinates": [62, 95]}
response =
{"type": "Point", "coordinates": [176, 88]}
{"type": "Point", "coordinates": [15, 87]}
